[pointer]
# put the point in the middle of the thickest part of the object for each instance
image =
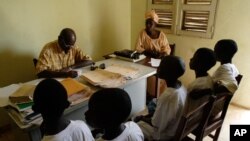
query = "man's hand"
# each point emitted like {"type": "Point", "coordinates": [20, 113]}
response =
{"type": "Point", "coordinates": [72, 74]}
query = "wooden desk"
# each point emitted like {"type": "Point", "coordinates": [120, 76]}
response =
{"type": "Point", "coordinates": [136, 89]}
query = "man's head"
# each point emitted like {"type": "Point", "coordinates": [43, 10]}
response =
{"type": "Point", "coordinates": [225, 50]}
{"type": "Point", "coordinates": [50, 99]}
{"type": "Point", "coordinates": [203, 60]}
{"type": "Point", "coordinates": [108, 108]}
{"type": "Point", "coordinates": [171, 68]}
{"type": "Point", "coordinates": [67, 39]}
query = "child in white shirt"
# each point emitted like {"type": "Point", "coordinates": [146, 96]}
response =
{"type": "Point", "coordinates": [200, 89]}
{"type": "Point", "coordinates": [51, 99]}
{"type": "Point", "coordinates": [170, 104]}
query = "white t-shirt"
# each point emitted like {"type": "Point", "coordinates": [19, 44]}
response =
{"type": "Point", "coordinates": [132, 132]}
{"type": "Point", "coordinates": [226, 74]}
{"type": "Point", "coordinates": [200, 83]}
{"type": "Point", "coordinates": [76, 131]}
{"type": "Point", "coordinates": [169, 109]}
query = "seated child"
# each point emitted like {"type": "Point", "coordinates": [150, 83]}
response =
{"type": "Point", "coordinates": [224, 76]}
{"type": "Point", "coordinates": [199, 90]}
{"type": "Point", "coordinates": [226, 73]}
{"type": "Point", "coordinates": [108, 110]}
{"type": "Point", "coordinates": [170, 104]}
{"type": "Point", "coordinates": [50, 99]}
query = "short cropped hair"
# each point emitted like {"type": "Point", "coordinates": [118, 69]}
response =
{"type": "Point", "coordinates": [225, 49]}
{"type": "Point", "coordinates": [110, 107]}
{"type": "Point", "coordinates": [204, 58]}
{"type": "Point", "coordinates": [50, 97]}
{"type": "Point", "coordinates": [171, 67]}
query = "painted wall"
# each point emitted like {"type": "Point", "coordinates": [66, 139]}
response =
{"type": "Point", "coordinates": [26, 25]}
{"type": "Point", "coordinates": [232, 22]}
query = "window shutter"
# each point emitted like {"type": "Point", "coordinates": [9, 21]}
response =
{"type": "Point", "coordinates": [196, 18]}
{"type": "Point", "coordinates": [165, 9]}
{"type": "Point", "coordinates": [185, 17]}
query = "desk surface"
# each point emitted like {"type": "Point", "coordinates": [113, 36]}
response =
{"type": "Point", "coordinates": [144, 72]}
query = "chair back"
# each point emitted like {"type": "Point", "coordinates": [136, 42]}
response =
{"type": "Point", "coordinates": [238, 78]}
{"type": "Point", "coordinates": [35, 61]}
{"type": "Point", "coordinates": [195, 119]}
{"type": "Point", "coordinates": [215, 122]}
{"type": "Point", "coordinates": [172, 47]}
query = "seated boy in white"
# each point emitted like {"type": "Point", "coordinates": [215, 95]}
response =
{"type": "Point", "coordinates": [224, 76]}
{"type": "Point", "coordinates": [50, 99]}
{"type": "Point", "coordinates": [108, 110]}
{"type": "Point", "coordinates": [170, 104]}
{"type": "Point", "coordinates": [226, 73]}
{"type": "Point", "coordinates": [199, 90]}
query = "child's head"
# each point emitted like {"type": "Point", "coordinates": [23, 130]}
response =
{"type": "Point", "coordinates": [171, 68]}
{"type": "Point", "coordinates": [108, 108]}
{"type": "Point", "coordinates": [225, 50]}
{"type": "Point", "coordinates": [50, 99]}
{"type": "Point", "coordinates": [203, 60]}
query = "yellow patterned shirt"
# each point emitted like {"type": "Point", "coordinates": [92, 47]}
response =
{"type": "Point", "coordinates": [53, 57]}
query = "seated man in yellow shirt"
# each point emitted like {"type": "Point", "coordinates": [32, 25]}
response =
{"type": "Point", "coordinates": [58, 57]}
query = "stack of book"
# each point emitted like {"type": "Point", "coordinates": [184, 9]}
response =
{"type": "Point", "coordinates": [77, 92]}
{"type": "Point", "coordinates": [20, 103]}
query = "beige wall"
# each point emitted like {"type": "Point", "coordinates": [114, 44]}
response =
{"type": "Point", "coordinates": [102, 27]}
{"type": "Point", "coordinates": [232, 21]}
{"type": "Point", "coordinates": [26, 25]}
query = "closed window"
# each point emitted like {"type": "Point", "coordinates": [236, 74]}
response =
{"type": "Point", "coordinates": [186, 17]}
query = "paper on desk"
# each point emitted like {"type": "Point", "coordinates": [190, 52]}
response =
{"type": "Point", "coordinates": [155, 62]}
{"type": "Point", "coordinates": [103, 78]}
{"type": "Point", "coordinates": [126, 71]}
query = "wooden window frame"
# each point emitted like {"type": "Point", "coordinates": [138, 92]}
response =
{"type": "Point", "coordinates": [178, 7]}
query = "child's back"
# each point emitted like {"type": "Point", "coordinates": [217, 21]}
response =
{"type": "Point", "coordinates": [170, 104]}
{"type": "Point", "coordinates": [50, 99]}
{"type": "Point", "coordinates": [202, 86]}
{"type": "Point", "coordinates": [108, 109]}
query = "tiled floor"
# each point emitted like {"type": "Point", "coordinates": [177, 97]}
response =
{"type": "Point", "coordinates": [235, 115]}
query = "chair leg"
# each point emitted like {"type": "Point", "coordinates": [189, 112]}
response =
{"type": "Point", "coordinates": [217, 133]}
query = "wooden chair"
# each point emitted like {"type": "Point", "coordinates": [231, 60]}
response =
{"type": "Point", "coordinates": [195, 119]}
{"type": "Point", "coordinates": [35, 61]}
{"type": "Point", "coordinates": [172, 46]}
{"type": "Point", "coordinates": [215, 123]}
{"type": "Point", "coordinates": [238, 78]}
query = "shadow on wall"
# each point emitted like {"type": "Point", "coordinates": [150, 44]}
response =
{"type": "Point", "coordinates": [15, 68]}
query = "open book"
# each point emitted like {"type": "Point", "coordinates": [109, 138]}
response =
{"type": "Point", "coordinates": [104, 78]}
{"type": "Point", "coordinates": [127, 71]}
{"type": "Point", "coordinates": [77, 92]}
{"type": "Point", "coordinates": [23, 94]}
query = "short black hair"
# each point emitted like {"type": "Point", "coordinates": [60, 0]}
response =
{"type": "Point", "coordinates": [66, 34]}
{"type": "Point", "coordinates": [110, 107]}
{"type": "Point", "coordinates": [225, 49]}
{"type": "Point", "coordinates": [171, 67]}
{"type": "Point", "coordinates": [50, 98]}
{"type": "Point", "coordinates": [204, 59]}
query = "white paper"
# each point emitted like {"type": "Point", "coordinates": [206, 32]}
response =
{"type": "Point", "coordinates": [155, 62]}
